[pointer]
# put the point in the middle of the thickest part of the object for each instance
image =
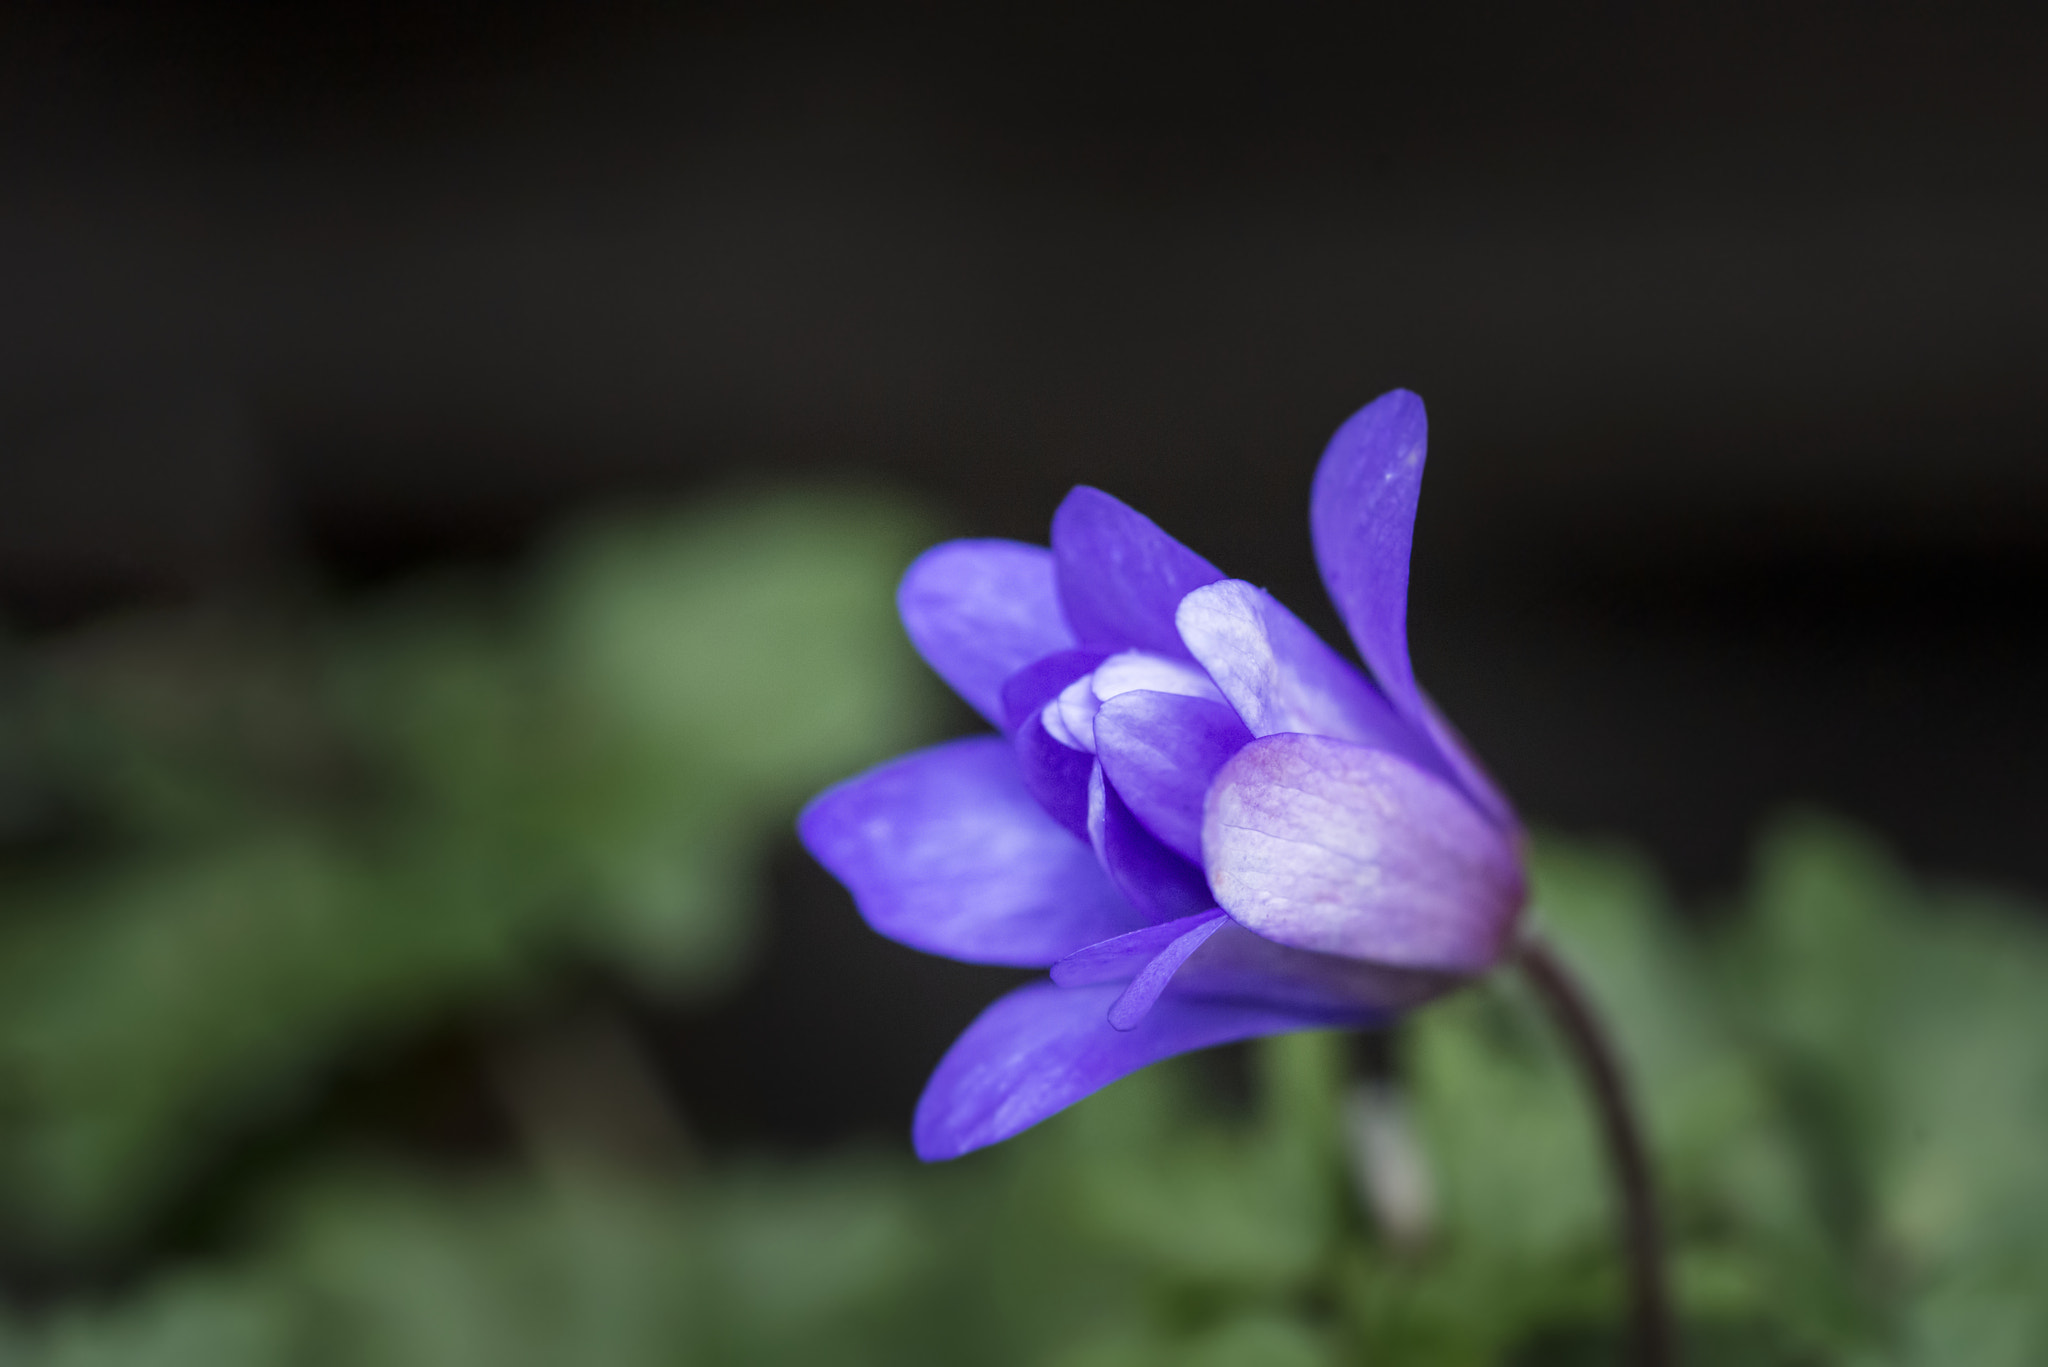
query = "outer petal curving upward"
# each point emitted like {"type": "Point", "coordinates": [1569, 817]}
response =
{"type": "Point", "coordinates": [979, 611]}
{"type": "Point", "coordinates": [1344, 849]}
{"type": "Point", "coordinates": [945, 851]}
{"type": "Point", "coordinates": [1120, 576]}
{"type": "Point", "coordinates": [1362, 518]}
{"type": "Point", "coordinates": [1042, 1048]}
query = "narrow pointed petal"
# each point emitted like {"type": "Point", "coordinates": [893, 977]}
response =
{"type": "Point", "coordinates": [1159, 751]}
{"type": "Point", "coordinates": [1042, 1048]}
{"type": "Point", "coordinates": [1362, 517]}
{"type": "Point", "coordinates": [1155, 880]}
{"type": "Point", "coordinates": [1281, 677]}
{"type": "Point", "coordinates": [945, 851]}
{"type": "Point", "coordinates": [1237, 965]}
{"type": "Point", "coordinates": [1039, 682]}
{"type": "Point", "coordinates": [979, 611]}
{"type": "Point", "coordinates": [1143, 992]}
{"type": "Point", "coordinates": [1055, 774]}
{"type": "Point", "coordinates": [1344, 849]}
{"type": "Point", "coordinates": [1118, 960]}
{"type": "Point", "coordinates": [1120, 576]}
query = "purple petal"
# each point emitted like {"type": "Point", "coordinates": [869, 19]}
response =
{"type": "Point", "coordinates": [1362, 516]}
{"type": "Point", "coordinates": [1131, 670]}
{"type": "Point", "coordinates": [979, 611]}
{"type": "Point", "coordinates": [1281, 677]}
{"type": "Point", "coordinates": [1238, 965]}
{"type": "Point", "coordinates": [1039, 682]}
{"type": "Point", "coordinates": [1143, 993]}
{"type": "Point", "coordinates": [1042, 1048]}
{"type": "Point", "coordinates": [1154, 879]}
{"type": "Point", "coordinates": [945, 851]}
{"type": "Point", "coordinates": [1345, 849]}
{"type": "Point", "coordinates": [1120, 576]}
{"type": "Point", "coordinates": [1055, 775]}
{"type": "Point", "coordinates": [1118, 960]}
{"type": "Point", "coordinates": [1159, 752]}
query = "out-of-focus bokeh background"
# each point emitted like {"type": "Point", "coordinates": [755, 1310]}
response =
{"type": "Point", "coordinates": [454, 465]}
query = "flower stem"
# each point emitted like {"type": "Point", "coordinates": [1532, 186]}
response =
{"type": "Point", "coordinates": [1651, 1337]}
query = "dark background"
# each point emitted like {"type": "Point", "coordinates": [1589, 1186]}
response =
{"type": "Point", "coordinates": [1731, 324]}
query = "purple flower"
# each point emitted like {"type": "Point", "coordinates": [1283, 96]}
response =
{"type": "Point", "coordinates": [1200, 817]}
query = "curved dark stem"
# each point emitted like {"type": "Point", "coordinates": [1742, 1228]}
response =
{"type": "Point", "coordinates": [1650, 1329]}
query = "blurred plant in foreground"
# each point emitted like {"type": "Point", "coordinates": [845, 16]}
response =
{"type": "Point", "coordinates": [279, 836]}
{"type": "Point", "coordinates": [261, 846]}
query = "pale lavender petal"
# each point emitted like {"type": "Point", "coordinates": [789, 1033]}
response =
{"type": "Point", "coordinates": [1154, 879]}
{"type": "Point", "coordinates": [1281, 677]}
{"type": "Point", "coordinates": [1039, 682]}
{"type": "Point", "coordinates": [1135, 669]}
{"type": "Point", "coordinates": [979, 611]}
{"type": "Point", "coordinates": [1344, 849]}
{"type": "Point", "coordinates": [1143, 993]}
{"type": "Point", "coordinates": [1071, 716]}
{"type": "Point", "coordinates": [1120, 576]}
{"type": "Point", "coordinates": [1042, 1048]}
{"type": "Point", "coordinates": [1118, 960]}
{"type": "Point", "coordinates": [944, 850]}
{"type": "Point", "coordinates": [1237, 965]}
{"type": "Point", "coordinates": [1362, 516]}
{"type": "Point", "coordinates": [1159, 752]}
{"type": "Point", "coordinates": [1056, 775]}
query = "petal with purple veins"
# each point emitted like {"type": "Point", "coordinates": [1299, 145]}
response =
{"type": "Point", "coordinates": [1120, 576]}
{"type": "Point", "coordinates": [979, 611]}
{"type": "Point", "coordinates": [945, 851]}
{"type": "Point", "coordinates": [1161, 884]}
{"type": "Point", "coordinates": [1159, 751]}
{"type": "Point", "coordinates": [1344, 849]}
{"type": "Point", "coordinates": [1042, 1048]}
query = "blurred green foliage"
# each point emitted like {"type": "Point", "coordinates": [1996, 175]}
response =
{"type": "Point", "coordinates": [440, 798]}
{"type": "Point", "coordinates": [292, 832]}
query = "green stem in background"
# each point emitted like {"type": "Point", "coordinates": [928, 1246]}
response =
{"type": "Point", "coordinates": [1651, 1338]}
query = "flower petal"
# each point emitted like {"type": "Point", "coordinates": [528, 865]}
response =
{"type": "Point", "coordinates": [1345, 849]}
{"type": "Point", "coordinates": [1055, 774]}
{"type": "Point", "coordinates": [979, 611]}
{"type": "Point", "coordinates": [1039, 682]}
{"type": "Point", "coordinates": [1143, 992]}
{"type": "Point", "coordinates": [1120, 577]}
{"type": "Point", "coordinates": [1042, 1048]}
{"type": "Point", "coordinates": [1362, 517]}
{"type": "Point", "coordinates": [1118, 960]}
{"type": "Point", "coordinates": [1281, 677]}
{"type": "Point", "coordinates": [1159, 751]}
{"type": "Point", "coordinates": [1154, 879]}
{"type": "Point", "coordinates": [1238, 965]}
{"type": "Point", "coordinates": [945, 851]}
{"type": "Point", "coordinates": [1131, 670]}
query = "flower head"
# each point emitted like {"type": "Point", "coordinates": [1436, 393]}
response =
{"type": "Point", "coordinates": [1206, 822]}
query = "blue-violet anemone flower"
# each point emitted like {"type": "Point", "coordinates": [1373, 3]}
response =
{"type": "Point", "coordinates": [1206, 822]}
